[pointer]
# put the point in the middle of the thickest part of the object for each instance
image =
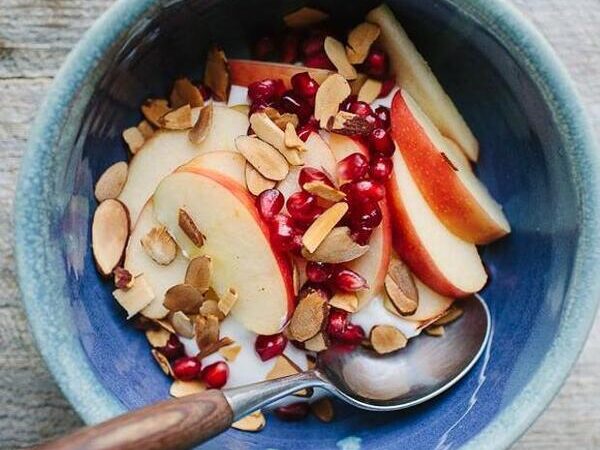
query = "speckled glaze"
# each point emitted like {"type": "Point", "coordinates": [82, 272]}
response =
{"type": "Point", "coordinates": [538, 158]}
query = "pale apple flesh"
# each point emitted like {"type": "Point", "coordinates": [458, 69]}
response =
{"type": "Point", "coordinates": [451, 189]}
{"type": "Point", "coordinates": [228, 164]}
{"type": "Point", "coordinates": [244, 72]}
{"type": "Point", "coordinates": [237, 241]}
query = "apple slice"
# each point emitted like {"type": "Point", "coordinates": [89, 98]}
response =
{"type": "Point", "coordinates": [166, 150]}
{"type": "Point", "coordinates": [413, 74]}
{"type": "Point", "coordinates": [228, 164]}
{"type": "Point", "coordinates": [453, 191]}
{"type": "Point", "coordinates": [343, 146]}
{"type": "Point", "coordinates": [236, 239]}
{"type": "Point", "coordinates": [243, 72]}
{"type": "Point", "coordinates": [447, 264]}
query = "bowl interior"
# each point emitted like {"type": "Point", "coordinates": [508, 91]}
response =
{"type": "Point", "coordinates": [522, 162]}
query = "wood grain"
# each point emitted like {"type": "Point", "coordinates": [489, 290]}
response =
{"type": "Point", "coordinates": [36, 35]}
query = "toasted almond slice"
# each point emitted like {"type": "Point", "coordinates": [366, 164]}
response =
{"type": "Point", "coordinates": [269, 132]}
{"type": "Point", "coordinates": [324, 191]}
{"type": "Point", "coordinates": [252, 422]}
{"type": "Point", "coordinates": [323, 409]}
{"type": "Point", "coordinates": [211, 307]}
{"type": "Point", "coordinates": [330, 94]}
{"type": "Point", "coordinates": [360, 40]}
{"type": "Point", "coordinates": [189, 227]}
{"type": "Point", "coordinates": [336, 53]}
{"type": "Point", "coordinates": [146, 129]}
{"type": "Point", "coordinates": [255, 182]}
{"type": "Point", "coordinates": [263, 157]}
{"type": "Point", "coordinates": [154, 109]}
{"type": "Point", "coordinates": [358, 83]}
{"type": "Point", "coordinates": [317, 343]}
{"type": "Point", "coordinates": [305, 17]}
{"type": "Point", "coordinates": [337, 247]}
{"type": "Point", "coordinates": [110, 231]}
{"type": "Point", "coordinates": [281, 120]}
{"type": "Point", "coordinates": [350, 124]}
{"type": "Point", "coordinates": [228, 301]}
{"type": "Point", "coordinates": [214, 347]}
{"type": "Point", "coordinates": [162, 361]}
{"type": "Point", "coordinates": [322, 226]}
{"type": "Point", "coordinates": [291, 139]}
{"type": "Point", "coordinates": [311, 362]}
{"type": "Point", "coordinates": [309, 316]}
{"type": "Point", "coordinates": [203, 125]}
{"type": "Point", "coordinates": [435, 330]}
{"type": "Point", "coordinates": [369, 91]}
{"type": "Point", "coordinates": [403, 304]}
{"type": "Point", "coordinates": [387, 339]}
{"type": "Point", "coordinates": [347, 301]}
{"type": "Point", "coordinates": [164, 324]}
{"type": "Point", "coordinates": [401, 275]}
{"type": "Point", "coordinates": [123, 278]}
{"type": "Point", "coordinates": [178, 119]}
{"type": "Point", "coordinates": [183, 297]}
{"type": "Point", "coordinates": [199, 273]}
{"type": "Point", "coordinates": [111, 182]}
{"type": "Point", "coordinates": [157, 337]}
{"type": "Point", "coordinates": [283, 367]}
{"type": "Point", "coordinates": [244, 109]}
{"type": "Point", "coordinates": [159, 245]}
{"type": "Point", "coordinates": [185, 93]}
{"type": "Point", "coordinates": [182, 324]}
{"type": "Point", "coordinates": [180, 388]}
{"type": "Point", "coordinates": [207, 330]}
{"type": "Point", "coordinates": [453, 313]}
{"type": "Point", "coordinates": [230, 352]}
{"type": "Point", "coordinates": [134, 139]}
{"type": "Point", "coordinates": [216, 74]}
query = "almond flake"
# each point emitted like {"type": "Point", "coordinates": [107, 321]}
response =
{"type": "Point", "coordinates": [435, 330]}
{"type": "Point", "coordinates": [283, 367]}
{"type": "Point", "coordinates": [369, 91]}
{"type": "Point", "coordinates": [317, 343]}
{"type": "Point", "coordinates": [159, 245]}
{"type": "Point", "coordinates": [134, 139]}
{"type": "Point", "coordinates": [164, 324]}
{"type": "Point", "coordinates": [404, 305]}
{"type": "Point", "coordinates": [255, 182]}
{"type": "Point", "coordinates": [305, 17]}
{"type": "Point", "coordinates": [309, 316]}
{"type": "Point", "coordinates": [336, 247]}
{"type": "Point", "coordinates": [453, 313]}
{"type": "Point", "coordinates": [252, 422]}
{"type": "Point", "coordinates": [123, 278]}
{"type": "Point", "coordinates": [230, 352]}
{"type": "Point", "coordinates": [330, 94]}
{"type": "Point", "coordinates": [360, 40]}
{"type": "Point", "coordinates": [207, 330]}
{"type": "Point", "coordinates": [211, 307]}
{"type": "Point", "coordinates": [182, 324]}
{"type": "Point", "coordinates": [199, 273]}
{"type": "Point", "coordinates": [181, 388]}
{"type": "Point", "coordinates": [111, 182]}
{"type": "Point", "coordinates": [269, 132]}
{"type": "Point", "coordinates": [214, 347]}
{"type": "Point", "coordinates": [203, 125]}
{"type": "Point", "coordinates": [334, 50]}
{"type": "Point", "coordinates": [322, 226]}
{"type": "Point", "coordinates": [347, 301]}
{"type": "Point", "coordinates": [188, 226]}
{"type": "Point", "coordinates": [162, 361]}
{"type": "Point", "coordinates": [216, 74]}
{"type": "Point", "coordinates": [157, 337]}
{"type": "Point", "coordinates": [263, 157]}
{"type": "Point", "coordinates": [323, 410]}
{"type": "Point", "coordinates": [311, 362]}
{"type": "Point", "coordinates": [350, 124]}
{"type": "Point", "coordinates": [146, 129]}
{"type": "Point", "coordinates": [154, 109]}
{"type": "Point", "coordinates": [110, 231]}
{"type": "Point", "coordinates": [244, 109]}
{"type": "Point", "coordinates": [356, 84]}
{"type": "Point", "coordinates": [291, 139]}
{"type": "Point", "coordinates": [401, 288]}
{"type": "Point", "coordinates": [228, 301]}
{"type": "Point", "coordinates": [324, 191]}
{"type": "Point", "coordinates": [183, 297]}
{"type": "Point", "coordinates": [281, 120]}
{"type": "Point", "coordinates": [387, 339]}
{"type": "Point", "coordinates": [185, 93]}
{"type": "Point", "coordinates": [178, 119]}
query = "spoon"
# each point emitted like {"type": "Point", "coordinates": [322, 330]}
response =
{"type": "Point", "coordinates": [424, 369]}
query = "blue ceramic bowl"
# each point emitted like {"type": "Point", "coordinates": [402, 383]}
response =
{"type": "Point", "coordinates": [538, 158]}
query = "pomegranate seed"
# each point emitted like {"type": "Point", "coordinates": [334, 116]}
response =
{"type": "Point", "coordinates": [295, 411]}
{"type": "Point", "coordinates": [360, 108]}
{"type": "Point", "coordinates": [383, 115]}
{"type": "Point", "coordinates": [362, 235]}
{"type": "Point", "coordinates": [353, 334]}
{"type": "Point", "coordinates": [269, 203]}
{"type": "Point", "coordinates": [318, 272]}
{"type": "Point", "coordinates": [293, 103]}
{"type": "Point", "coordinates": [365, 215]}
{"type": "Point", "coordinates": [215, 376]}
{"type": "Point", "coordinates": [173, 349]}
{"type": "Point", "coordinates": [285, 235]}
{"type": "Point", "coordinates": [353, 167]}
{"type": "Point", "coordinates": [265, 91]}
{"type": "Point", "coordinates": [269, 347]}
{"type": "Point", "coordinates": [310, 126]}
{"type": "Point", "coordinates": [303, 206]}
{"type": "Point", "coordinates": [337, 320]}
{"type": "Point", "coordinates": [387, 86]}
{"type": "Point", "coordinates": [186, 368]}
{"type": "Point", "coordinates": [319, 61]}
{"type": "Point", "coordinates": [381, 142]}
{"type": "Point", "coordinates": [289, 48]}
{"type": "Point", "coordinates": [363, 191]}
{"type": "Point", "coordinates": [345, 105]}
{"type": "Point", "coordinates": [376, 63]}
{"type": "Point", "coordinates": [349, 281]}
{"type": "Point", "coordinates": [264, 48]}
{"type": "Point", "coordinates": [304, 85]}
{"type": "Point", "coordinates": [308, 174]}
{"type": "Point", "coordinates": [381, 168]}
{"type": "Point", "coordinates": [205, 91]}
{"type": "Point", "coordinates": [314, 43]}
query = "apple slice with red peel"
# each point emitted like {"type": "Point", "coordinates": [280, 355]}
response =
{"type": "Point", "coordinates": [452, 191]}
{"type": "Point", "coordinates": [236, 239]}
{"type": "Point", "coordinates": [343, 146]}
{"type": "Point", "coordinates": [229, 164]}
{"type": "Point", "coordinates": [413, 74]}
{"type": "Point", "coordinates": [447, 264]}
{"type": "Point", "coordinates": [244, 72]}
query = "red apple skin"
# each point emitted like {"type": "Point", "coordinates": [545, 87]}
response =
{"type": "Point", "coordinates": [438, 181]}
{"type": "Point", "coordinates": [386, 227]}
{"type": "Point", "coordinates": [243, 72]}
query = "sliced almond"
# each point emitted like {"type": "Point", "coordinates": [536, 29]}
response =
{"type": "Point", "coordinates": [263, 157]}
{"type": "Point", "coordinates": [211, 307]}
{"type": "Point", "coordinates": [162, 361]}
{"type": "Point", "coordinates": [203, 125]}
{"type": "Point", "coordinates": [403, 304]}
{"type": "Point", "coordinates": [255, 182]}
{"type": "Point", "coordinates": [214, 347]}
{"type": "Point", "coordinates": [146, 129]}
{"type": "Point", "coordinates": [111, 182]}
{"type": "Point", "coordinates": [283, 367]}
{"type": "Point", "coordinates": [154, 109]}
{"type": "Point", "coordinates": [291, 139]}
{"type": "Point", "coordinates": [453, 313]}
{"type": "Point", "coordinates": [180, 388]}
{"type": "Point", "coordinates": [337, 247]}
{"type": "Point", "coordinates": [159, 245]}
{"type": "Point", "coordinates": [386, 339]}
{"type": "Point", "coordinates": [185, 93]}
{"type": "Point", "coordinates": [350, 124]}
{"type": "Point", "coordinates": [216, 74]}
{"type": "Point", "coordinates": [252, 422]}
{"type": "Point", "coordinates": [369, 91]}
{"type": "Point", "coordinates": [324, 191]}
{"type": "Point", "coordinates": [311, 363]}
{"type": "Point", "coordinates": [164, 324]}
{"type": "Point", "coordinates": [281, 120]}
{"type": "Point", "coordinates": [189, 227]}
{"type": "Point", "coordinates": [323, 409]}
{"type": "Point", "coordinates": [230, 352]}
{"type": "Point", "coordinates": [182, 324]}
{"type": "Point", "coordinates": [317, 343]}
{"type": "Point", "coordinates": [360, 40]}
{"type": "Point", "coordinates": [207, 330]}
{"type": "Point", "coordinates": [244, 109]}
{"type": "Point", "coordinates": [269, 132]}
{"type": "Point", "coordinates": [157, 337]}
{"type": "Point", "coordinates": [123, 278]}
{"type": "Point", "coordinates": [110, 231]}
{"type": "Point", "coordinates": [347, 301]}
{"type": "Point", "coordinates": [330, 94]}
{"type": "Point", "coordinates": [336, 53]}
{"type": "Point", "coordinates": [435, 330]}
{"type": "Point", "coordinates": [228, 301]}
{"type": "Point", "coordinates": [178, 119]}
{"type": "Point", "coordinates": [134, 139]}
{"type": "Point", "coordinates": [401, 288]}
{"type": "Point", "coordinates": [305, 17]}
{"type": "Point", "coordinates": [199, 273]}
{"type": "Point", "coordinates": [322, 226]}
{"type": "Point", "coordinates": [309, 316]}
{"type": "Point", "coordinates": [357, 83]}
{"type": "Point", "coordinates": [183, 297]}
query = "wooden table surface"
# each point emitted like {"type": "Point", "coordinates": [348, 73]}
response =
{"type": "Point", "coordinates": [35, 37]}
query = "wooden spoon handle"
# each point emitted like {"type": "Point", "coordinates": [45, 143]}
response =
{"type": "Point", "coordinates": [171, 424]}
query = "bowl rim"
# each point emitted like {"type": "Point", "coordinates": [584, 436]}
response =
{"type": "Point", "coordinates": [65, 357]}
